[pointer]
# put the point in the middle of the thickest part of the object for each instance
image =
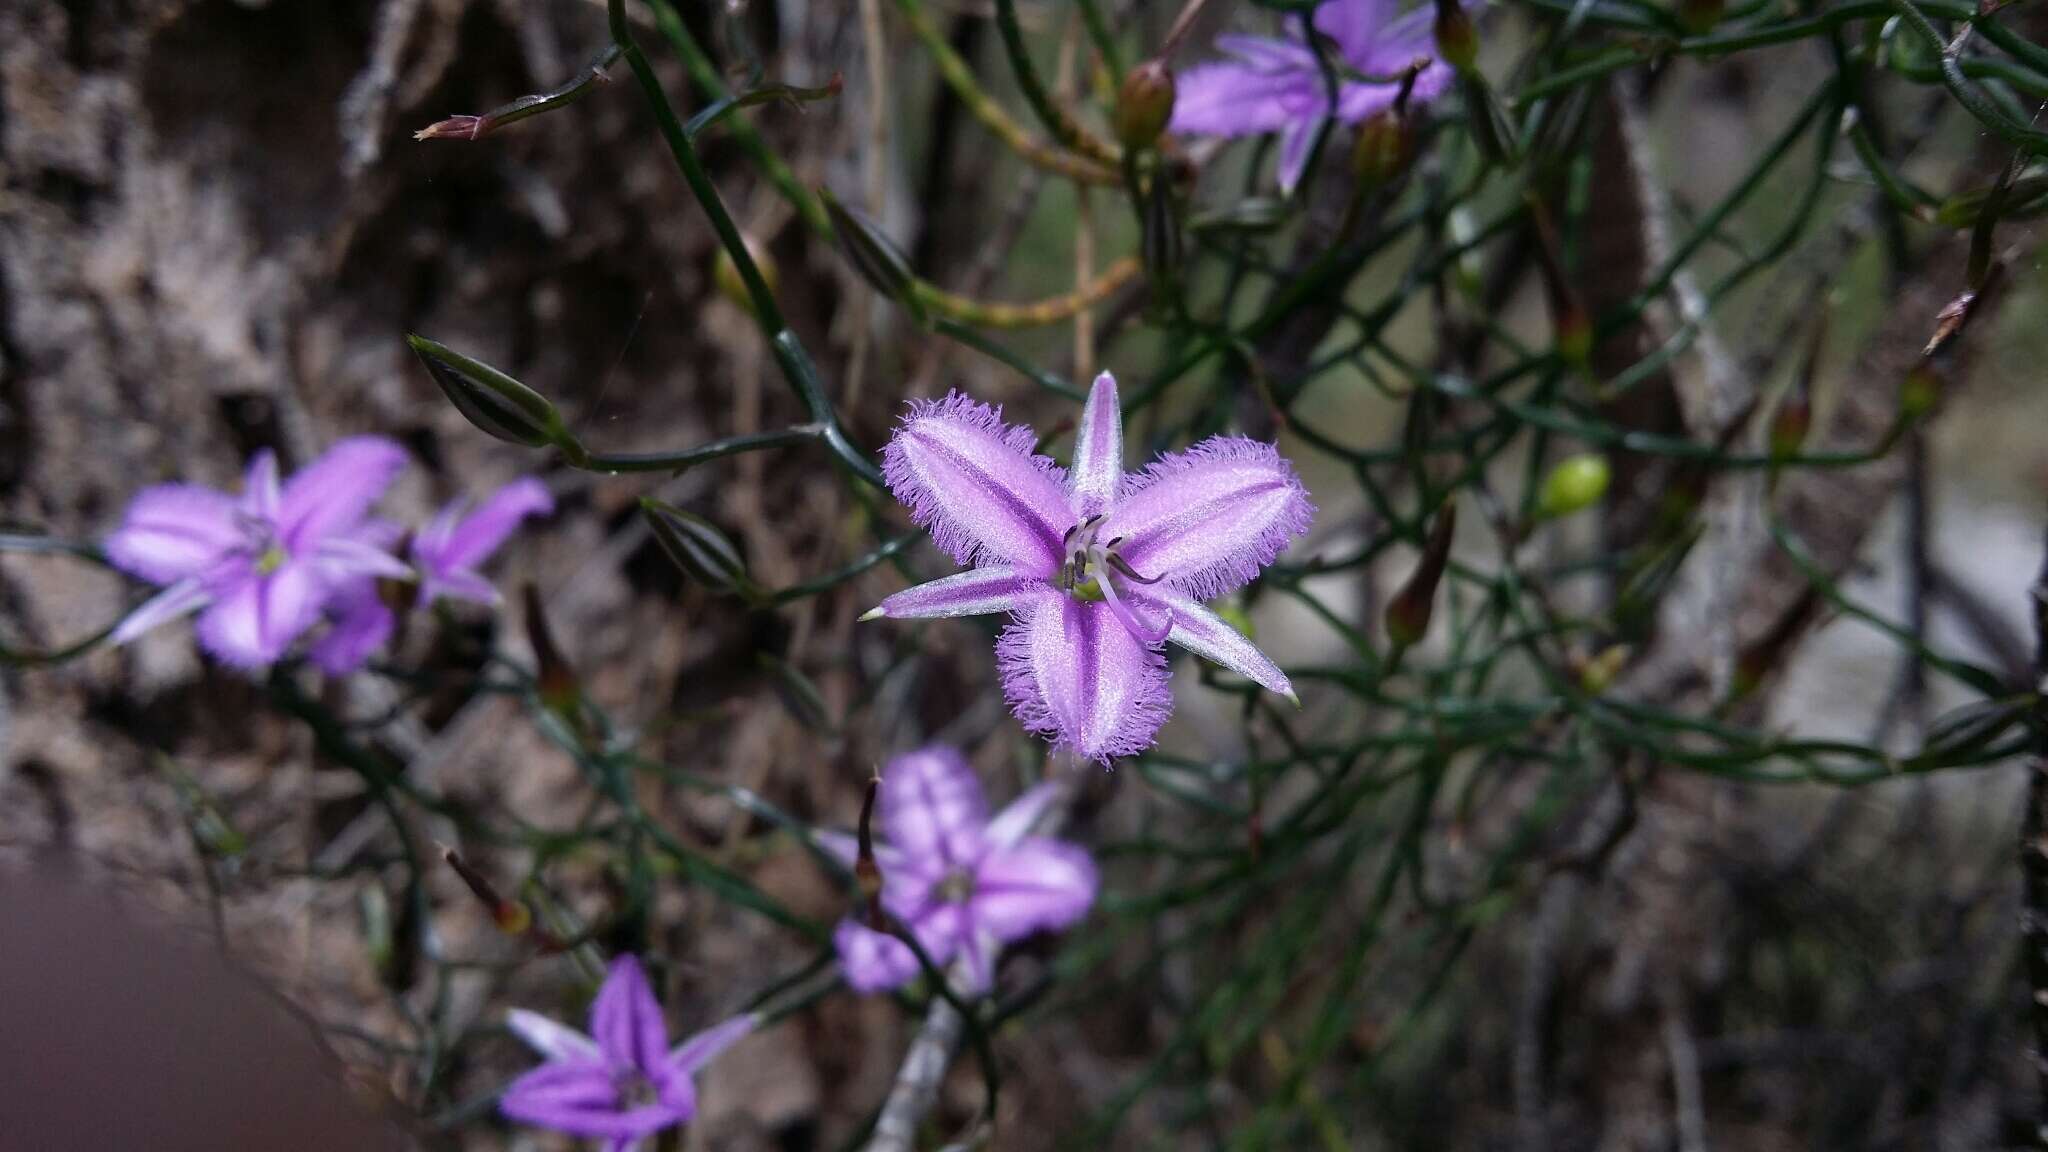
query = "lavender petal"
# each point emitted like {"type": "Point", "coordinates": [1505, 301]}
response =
{"type": "Point", "coordinates": [1037, 886]}
{"type": "Point", "coordinates": [1098, 450]}
{"type": "Point", "coordinates": [975, 483]}
{"type": "Point", "coordinates": [173, 531]}
{"type": "Point", "coordinates": [975, 592]}
{"type": "Point", "coordinates": [1211, 637]}
{"type": "Point", "coordinates": [933, 809]}
{"type": "Point", "coordinates": [335, 491]}
{"type": "Point", "coordinates": [625, 1019]}
{"type": "Point", "coordinates": [1208, 519]}
{"type": "Point", "coordinates": [1071, 672]}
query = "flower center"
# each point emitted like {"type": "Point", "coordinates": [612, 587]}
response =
{"type": "Point", "coordinates": [1089, 558]}
{"type": "Point", "coordinates": [957, 887]}
{"type": "Point", "coordinates": [1092, 570]}
{"type": "Point", "coordinates": [270, 560]}
{"type": "Point", "coordinates": [635, 1090]}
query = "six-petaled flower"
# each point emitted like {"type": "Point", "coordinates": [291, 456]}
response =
{"type": "Point", "coordinates": [622, 1082]}
{"type": "Point", "coordinates": [1278, 85]}
{"type": "Point", "coordinates": [1096, 568]}
{"type": "Point", "coordinates": [963, 883]}
{"type": "Point", "coordinates": [260, 565]}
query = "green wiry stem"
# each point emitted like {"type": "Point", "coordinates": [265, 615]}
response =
{"type": "Point", "coordinates": [1057, 120]}
{"type": "Point", "coordinates": [789, 351]}
{"type": "Point", "coordinates": [704, 74]}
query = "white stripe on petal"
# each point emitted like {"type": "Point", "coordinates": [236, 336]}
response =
{"type": "Point", "coordinates": [552, 1040]}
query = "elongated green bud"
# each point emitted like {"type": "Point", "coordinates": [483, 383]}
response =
{"type": "Point", "coordinates": [496, 403]}
{"type": "Point", "coordinates": [874, 256]}
{"type": "Point", "coordinates": [704, 553]}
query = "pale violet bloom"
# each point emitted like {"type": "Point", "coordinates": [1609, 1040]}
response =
{"type": "Point", "coordinates": [258, 566]}
{"type": "Point", "coordinates": [964, 884]}
{"type": "Point", "coordinates": [622, 1082]}
{"type": "Point", "coordinates": [445, 555]}
{"type": "Point", "coordinates": [1277, 85]}
{"type": "Point", "coordinates": [1096, 568]}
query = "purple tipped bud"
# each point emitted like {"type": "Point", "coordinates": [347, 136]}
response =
{"type": "Point", "coordinates": [455, 128]}
{"type": "Point", "coordinates": [1144, 104]}
{"type": "Point", "coordinates": [1408, 613]}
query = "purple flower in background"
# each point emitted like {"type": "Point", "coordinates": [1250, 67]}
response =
{"type": "Point", "coordinates": [622, 1082]}
{"type": "Point", "coordinates": [1276, 85]}
{"type": "Point", "coordinates": [1096, 568]}
{"type": "Point", "coordinates": [260, 565]}
{"type": "Point", "coordinates": [446, 554]}
{"type": "Point", "coordinates": [963, 883]}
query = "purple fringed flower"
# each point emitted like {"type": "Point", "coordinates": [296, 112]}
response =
{"type": "Point", "coordinates": [965, 884]}
{"type": "Point", "coordinates": [1276, 85]}
{"type": "Point", "coordinates": [260, 565]}
{"type": "Point", "coordinates": [445, 554]}
{"type": "Point", "coordinates": [622, 1083]}
{"type": "Point", "coordinates": [1096, 568]}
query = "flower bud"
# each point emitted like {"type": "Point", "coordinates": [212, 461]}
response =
{"type": "Point", "coordinates": [496, 403]}
{"type": "Point", "coordinates": [1144, 104]}
{"type": "Point", "coordinates": [1792, 421]}
{"type": "Point", "coordinates": [1381, 151]}
{"type": "Point", "coordinates": [1574, 336]}
{"type": "Point", "coordinates": [1574, 485]}
{"type": "Point", "coordinates": [1457, 41]}
{"type": "Point", "coordinates": [704, 553]}
{"type": "Point", "coordinates": [725, 274]}
{"type": "Point", "coordinates": [512, 917]}
{"type": "Point", "coordinates": [874, 256]}
{"type": "Point", "coordinates": [555, 680]}
{"type": "Point", "coordinates": [867, 873]}
{"type": "Point", "coordinates": [1407, 615]}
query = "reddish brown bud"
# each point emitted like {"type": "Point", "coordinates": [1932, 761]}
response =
{"type": "Point", "coordinates": [1407, 615]}
{"type": "Point", "coordinates": [866, 872]}
{"type": "Point", "coordinates": [511, 916]}
{"type": "Point", "coordinates": [1144, 104]}
{"type": "Point", "coordinates": [555, 681]}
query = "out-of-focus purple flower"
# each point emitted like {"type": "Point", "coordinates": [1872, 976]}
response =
{"type": "Point", "coordinates": [622, 1082]}
{"type": "Point", "coordinates": [261, 565]}
{"type": "Point", "coordinates": [1277, 85]}
{"type": "Point", "coordinates": [963, 883]}
{"type": "Point", "coordinates": [1096, 568]}
{"type": "Point", "coordinates": [445, 555]}
{"type": "Point", "coordinates": [448, 550]}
